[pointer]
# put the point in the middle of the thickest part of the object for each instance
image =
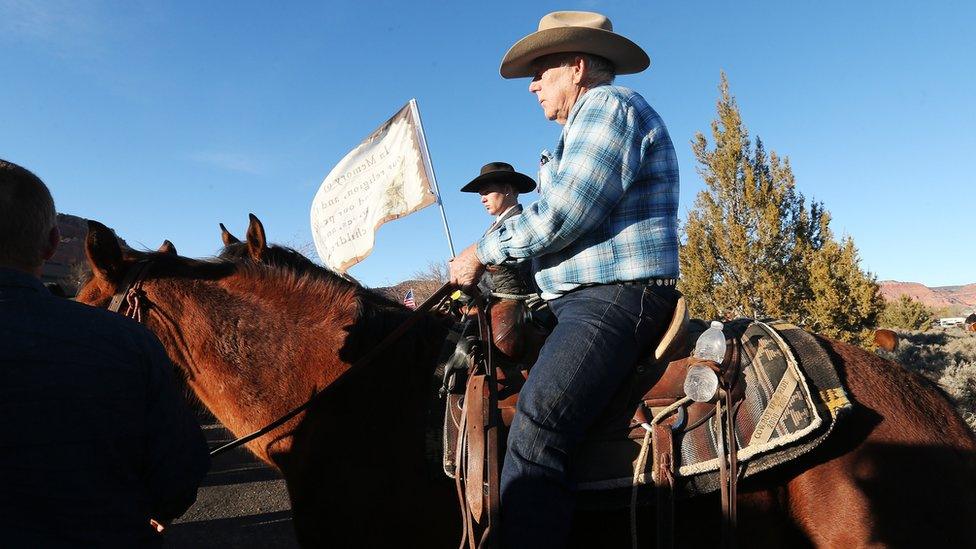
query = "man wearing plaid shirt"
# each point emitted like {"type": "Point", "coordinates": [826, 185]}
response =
{"type": "Point", "coordinates": [603, 241]}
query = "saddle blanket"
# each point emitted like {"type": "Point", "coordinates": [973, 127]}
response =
{"type": "Point", "coordinates": [792, 400]}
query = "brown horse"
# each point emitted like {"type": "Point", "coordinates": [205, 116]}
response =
{"type": "Point", "coordinates": [886, 339]}
{"type": "Point", "coordinates": [256, 340]}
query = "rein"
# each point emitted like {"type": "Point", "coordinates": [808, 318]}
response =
{"type": "Point", "coordinates": [134, 297]}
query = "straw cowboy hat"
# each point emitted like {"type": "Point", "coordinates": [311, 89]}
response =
{"type": "Point", "coordinates": [500, 172]}
{"type": "Point", "coordinates": [574, 31]}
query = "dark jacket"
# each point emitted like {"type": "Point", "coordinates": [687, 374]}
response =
{"type": "Point", "coordinates": [514, 278]}
{"type": "Point", "coordinates": [94, 438]}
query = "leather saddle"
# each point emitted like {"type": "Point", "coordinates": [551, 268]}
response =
{"type": "Point", "coordinates": [480, 409]}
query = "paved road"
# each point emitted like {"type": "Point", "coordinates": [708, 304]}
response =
{"type": "Point", "coordinates": [242, 504]}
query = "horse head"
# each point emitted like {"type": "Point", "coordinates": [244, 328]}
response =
{"type": "Point", "coordinates": [255, 248]}
{"type": "Point", "coordinates": [255, 340]}
{"type": "Point", "coordinates": [110, 263]}
{"type": "Point", "coordinates": [220, 322]}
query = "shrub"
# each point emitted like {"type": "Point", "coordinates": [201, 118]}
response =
{"type": "Point", "coordinates": [947, 357]}
{"type": "Point", "coordinates": [906, 313]}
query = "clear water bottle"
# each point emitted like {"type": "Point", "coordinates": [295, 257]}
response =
{"type": "Point", "coordinates": [711, 344]}
{"type": "Point", "coordinates": [701, 383]}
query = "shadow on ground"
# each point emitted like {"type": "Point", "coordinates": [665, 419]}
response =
{"type": "Point", "coordinates": [241, 503]}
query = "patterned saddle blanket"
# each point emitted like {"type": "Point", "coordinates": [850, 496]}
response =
{"type": "Point", "coordinates": [789, 401]}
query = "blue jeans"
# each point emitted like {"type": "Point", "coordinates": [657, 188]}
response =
{"type": "Point", "coordinates": [592, 350]}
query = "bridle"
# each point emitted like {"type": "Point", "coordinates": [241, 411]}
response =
{"type": "Point", "coordinates": [134, 297]}
{"type": "Point", "coordinates": [131, 293]}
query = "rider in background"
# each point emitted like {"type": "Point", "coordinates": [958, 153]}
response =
{"type": "Point", "coordinates": [499, 186]}
{"type": "Point", "coordinates": [95, 440]}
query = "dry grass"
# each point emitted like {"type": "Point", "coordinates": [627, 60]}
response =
{"type": "Point", "coordinates": [946, 356]}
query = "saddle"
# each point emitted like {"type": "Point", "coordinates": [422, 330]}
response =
{"type": "Point", "coordinates": [481, 404]}
{"type": "Point", "coordinates": [652, 442]}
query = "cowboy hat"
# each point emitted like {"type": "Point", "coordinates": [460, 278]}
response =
{"type": "Point", "coordinates": [574, 31]}
{"type": "Point", "coordinates": [499, 172]}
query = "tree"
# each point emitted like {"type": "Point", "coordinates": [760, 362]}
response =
{"type": "Point", "coordinates": [845, 302]}
{"type": "Point", "coordinates": [753, 248]}
{"type": "Point", "coordinates": [906, 313]}
{"type": "Point", "coordinates": [435, 272]}
{"type": "Point", "coordinates": [426, 281]}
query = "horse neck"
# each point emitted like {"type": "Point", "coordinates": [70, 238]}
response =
{"type": "Point", "coordinates": [255, 345]}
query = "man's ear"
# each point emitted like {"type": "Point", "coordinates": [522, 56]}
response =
{"type": "Point", "coordinates": [103, 252]}
{"type": "Point", "coordinates": [256, 242]}
{"type": "Point", "coordinates": [226, 237]}
{"type": "Point", "coordinates": [51, 246]}
{"type": "Point", "coordinates": [580, 68]}
{"type": "Point", "coordinates": [167, 247]}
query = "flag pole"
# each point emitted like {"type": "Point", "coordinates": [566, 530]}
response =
{"type": "Point", "coordinates": [430, 169]}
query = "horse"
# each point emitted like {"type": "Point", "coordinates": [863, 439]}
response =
{"type": "Point", "coordinates": [886, 339]}
{"type": "Point", "coordinates": [256, 340]}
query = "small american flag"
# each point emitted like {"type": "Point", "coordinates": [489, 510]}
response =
{"type": "Point", "coordinates": [408, 299]}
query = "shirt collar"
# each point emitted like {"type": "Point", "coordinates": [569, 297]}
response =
{"type": "Point", "coordinates": [578, 104]}
{"type": "Point", "coordinates": [510, 208]}
{"type": "Point", "coordinates": [12, 278]}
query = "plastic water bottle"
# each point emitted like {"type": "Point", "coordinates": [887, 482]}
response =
{"type": "Point", "coordinates": [701, 383]}
{"type": "Point", "coordinates": [711, 344]}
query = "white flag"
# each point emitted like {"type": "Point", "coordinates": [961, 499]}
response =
{"type": "Point", "coordinates": [385, 177]}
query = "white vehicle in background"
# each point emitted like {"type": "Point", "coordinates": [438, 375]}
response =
{"type": "Point", "coordinates": [951, 321]}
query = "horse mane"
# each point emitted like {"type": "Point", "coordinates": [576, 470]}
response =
{"type": "Point", "coordinates": [166, 265]}
{"type": "Point", "coordinates": [297, 263]}
{"type": "Point", "coordinates": [281, 256]}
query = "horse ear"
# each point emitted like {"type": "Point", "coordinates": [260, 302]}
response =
{"type": "Point", "coordinates": [167, 248]}
{"type": "Point", "coordinates": [103, 252]}
{"type": "Point", "coordinates": [227, 237]}
{"type": "Point", "coordinates": [256, 242]}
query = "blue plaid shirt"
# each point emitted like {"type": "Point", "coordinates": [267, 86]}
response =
{"type": "Point", "coordinates": [608, 205]}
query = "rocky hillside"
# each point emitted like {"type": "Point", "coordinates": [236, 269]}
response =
{"type": "Point", "coordinates": [69, 266]}
{"type": "Point", "coordinates": [950, 297]}
{"type": "Point", "coordinates": [422, 289]}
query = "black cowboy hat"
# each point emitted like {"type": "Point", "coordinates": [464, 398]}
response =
{"type": "Point", "coordinates": [500, 172]}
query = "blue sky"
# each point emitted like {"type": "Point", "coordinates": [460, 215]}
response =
{"type": "Point", "coordinates": [162, 120]}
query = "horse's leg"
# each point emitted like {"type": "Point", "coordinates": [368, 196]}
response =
{"type": "Point", "coordinates": [899, 469]}
{"type": "Point", "coordinates": [830, 507]}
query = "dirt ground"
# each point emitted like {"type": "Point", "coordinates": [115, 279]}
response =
{"type": "Point", "coordinates": [242, 503]}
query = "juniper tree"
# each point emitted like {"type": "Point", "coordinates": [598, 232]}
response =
{"type": "Point", "coordinates": [907, 313]}
{"type": "Point", "coordinates": [751, 244]}
{"type": "Point", "coordinates": [845, 302]}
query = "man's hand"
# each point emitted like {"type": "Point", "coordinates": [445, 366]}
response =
{"type": "Point", "coordinates": [466, 269]}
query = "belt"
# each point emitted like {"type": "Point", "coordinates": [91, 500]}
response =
{"type": "Point", "coordinates": [668, 282]}
{"type": "Point", "coordinates": [646, 282]}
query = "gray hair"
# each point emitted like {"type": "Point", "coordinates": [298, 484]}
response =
{"type": "Point", "coordinates": [27, 216]}
{"type": "Point", "coordinates": [599, 70]}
